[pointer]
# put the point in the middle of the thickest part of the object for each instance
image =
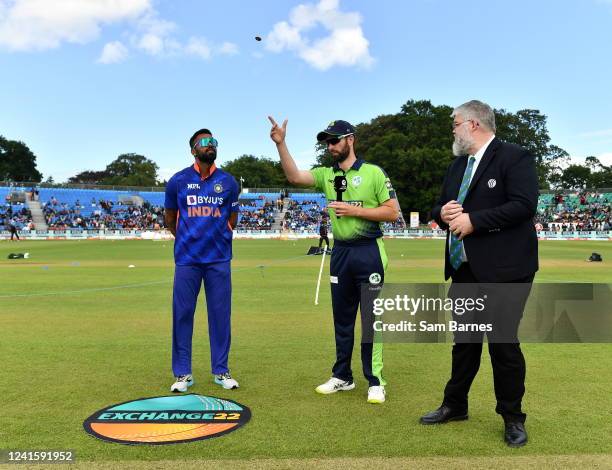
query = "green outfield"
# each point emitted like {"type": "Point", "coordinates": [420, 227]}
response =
{"type": "Point", "coordinates": [81, 331]}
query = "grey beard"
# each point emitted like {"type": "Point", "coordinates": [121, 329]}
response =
{"type": "Point", "coordinates": [461, 147]}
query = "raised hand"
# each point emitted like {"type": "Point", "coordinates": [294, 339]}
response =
{"type": "Point", "coordinates": [277, 134]}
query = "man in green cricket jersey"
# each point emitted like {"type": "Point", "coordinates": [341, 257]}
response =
{"type": "Point", "coordinates": [367, 199]}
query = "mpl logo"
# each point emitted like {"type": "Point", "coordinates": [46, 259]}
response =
{"type": "Point", "coordinates": [193, 186]}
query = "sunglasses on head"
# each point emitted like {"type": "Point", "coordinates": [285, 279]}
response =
{"type": "Point", "coordinates": [206, 142]}
{"type": "Point", "coordinates": [336, 139]}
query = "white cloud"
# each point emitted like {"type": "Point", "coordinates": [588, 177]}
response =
{"type": "Point", "coordinates": [27, 25]}
{"type": "Point", "coordinates": [198, 47]}
{"type": "Point", "coordinates": [204, 49]}
{"type": "Point", "coordinates": [344, 44]}
{"type": "Point", "coordinates": [155, 36]}
{"type": "Point", "coordinates": [151, 43]}
{"type": "Point", "coordinates": [228, 48]}
{"type": "Point", "coordinates": [113, 53]}
{"type": "Point", "coordinates": [30, 25]}
{"type": "Point", "coordinates": [153, 24]}
{"type": "Point", "coordinates": [284, 36]}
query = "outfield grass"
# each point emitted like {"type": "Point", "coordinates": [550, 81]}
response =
{"type": "Point", "coordinates": [81, 330]}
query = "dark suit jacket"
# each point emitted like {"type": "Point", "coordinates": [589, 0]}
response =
{"type": "Point", "coordinates": [501, 201]}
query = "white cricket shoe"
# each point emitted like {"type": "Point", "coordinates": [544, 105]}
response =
{"type": "Point", "coordinates": [183, 382]}
{"type": "Point", "coordinates": [226, 381]}
{"type": "Point", "coordinates": [334, 385]}
{"type": "Point", "coordinates": [376, 394]}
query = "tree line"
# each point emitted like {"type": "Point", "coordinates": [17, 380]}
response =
{"type": "Point", "coordinates": [413, 146]}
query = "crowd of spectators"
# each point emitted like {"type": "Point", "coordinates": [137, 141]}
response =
{"type": "Point", "coordinates": [576, 212]}
{"type": "Point", "coordinates": [302, 216]}
{"type": "Point", "coordinates": [19, 216]}
{"type": "Point", "coordinates": [102, 215]}
{"type": "Point", "coordinates": [397, 226]}
{"type": "Point", "coordinates": [253, 217]}
{"type": "Point", "coordinates": [560, 212]}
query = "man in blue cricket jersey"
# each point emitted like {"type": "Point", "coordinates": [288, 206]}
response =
{"type": "Point", "coordinates": [201, 210]}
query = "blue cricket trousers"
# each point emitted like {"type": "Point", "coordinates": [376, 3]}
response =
{"type": "Point", "coordinates": [218, 287]}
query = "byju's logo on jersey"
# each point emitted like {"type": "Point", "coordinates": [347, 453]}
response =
{"type": "Point", "coordinates": [193, 200]}
{"type": "Point", "coordinates": [193, 186]}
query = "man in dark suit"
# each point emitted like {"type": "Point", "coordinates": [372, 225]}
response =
{"type": "Point", "coordinates": [488, 201]}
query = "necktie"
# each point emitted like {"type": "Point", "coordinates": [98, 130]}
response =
{"type": "Point", "coordinates": [456, 245]}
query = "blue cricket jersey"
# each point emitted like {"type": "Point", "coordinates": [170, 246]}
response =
{"type": "Point", "coordinates": [204, 204]}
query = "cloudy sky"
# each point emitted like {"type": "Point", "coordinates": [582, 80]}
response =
{"type": "Point", "coordinates": [83, 81]}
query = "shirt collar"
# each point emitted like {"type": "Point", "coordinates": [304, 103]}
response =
{"type": "Point", "coordinates": [478, 155]}
{"type": "Point", "coordinates": [356, 165]}
{"type": "Point", "coordinates": [211, 170]}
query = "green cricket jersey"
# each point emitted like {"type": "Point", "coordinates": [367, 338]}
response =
{"type": "Point", "coordinates": [368, 186]}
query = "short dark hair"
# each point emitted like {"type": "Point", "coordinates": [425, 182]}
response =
{"type": "Point", "coordinates": [196, 133]}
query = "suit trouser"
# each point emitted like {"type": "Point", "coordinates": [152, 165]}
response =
{"type": "Point", "coordinates": [218, 289]}
{"type": "Point", "coordinates": [506, 358]}
{"type": "Point", "coordinates": [351, 266]}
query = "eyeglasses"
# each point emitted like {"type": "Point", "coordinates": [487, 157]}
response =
{"type": "Point", "coordinates": [335, 140]}
{"type": "Point", "coordinates": [457, 124]}
{"type": "Point", "coordinates": [206, 142]}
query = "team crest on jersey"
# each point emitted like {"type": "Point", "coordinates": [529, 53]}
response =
{"type": "Point", "coordinates": [388, 184]}
{"type": "Point", "coordinates": [218, 188]}
{"type": "Point", "coordinates": [375, 278]}
{"type": "Point", "coordinates": [356, 180]}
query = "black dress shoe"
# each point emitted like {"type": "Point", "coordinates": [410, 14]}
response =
{"type": "Point", "coordinates": [444, 414]}
{"type": "Point", "coordinates": [515, 434]}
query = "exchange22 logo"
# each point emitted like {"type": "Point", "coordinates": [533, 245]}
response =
{"type": "Point", "coordinates": [167, 420]}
